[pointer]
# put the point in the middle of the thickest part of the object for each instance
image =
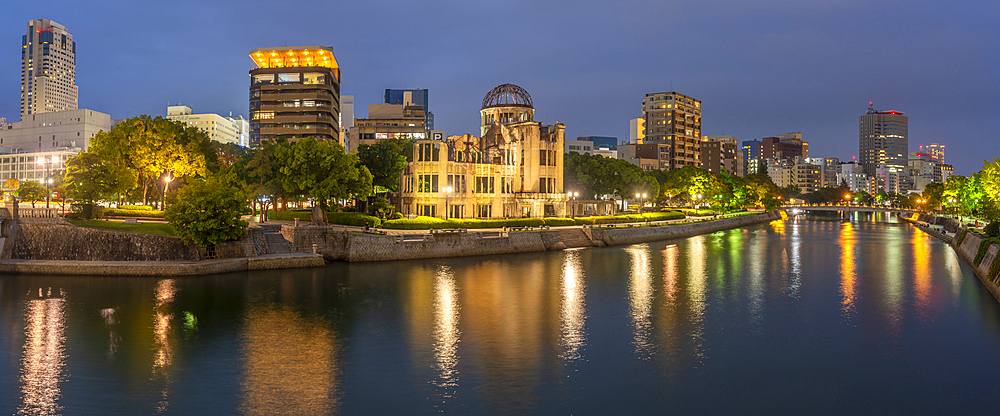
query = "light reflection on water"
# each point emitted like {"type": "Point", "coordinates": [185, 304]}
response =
{"type": "Point", "coordinates": [573, 309]}
{"type": "Point", "coordinates": [641, 299]}
{"type": "Point", "coordinates": [446, 332]}
{"type": "Point", "coordinates": [44, 355]}
{"type": "Point", "coordinates": [654, 325]}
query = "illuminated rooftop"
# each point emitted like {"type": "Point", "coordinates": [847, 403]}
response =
{"type": "Point", "coordinates": [296, 56]}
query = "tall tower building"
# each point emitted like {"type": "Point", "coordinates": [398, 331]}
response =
{"type": "Point", "coordinates": [48, 69]}
{"type": "Point", "coordinates": [294, 93]}
{"type": "Point", "coordinates": [883, 139]}
{"type": "Point", "coordinates": [936, 150]}
{"type": "Point", "coordinates": [674, 119]}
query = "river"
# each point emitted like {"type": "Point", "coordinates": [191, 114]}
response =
{"type": "Point", "coordinates": [791, 317]}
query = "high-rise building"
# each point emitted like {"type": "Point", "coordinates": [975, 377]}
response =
{"type": "Point", "coordinates": [751, 157]}
{"type": "Point", "coordinates": [636, 130]}
{"type": "Point", "coordinates": [48, 69]}
{"type": "Point", "coordinates": [936, 150]}
{"type": "Point", "coordinates": [674, 119]}
{"type": "Point", "coordinates": [882, 140]}
{"type": "Point", "coordinates": [346, 119]}
{"type": "Point", "coordinates": [294, 93]}
{"type": "Point", "coordinates": [785, 146]}
{"type": "Point", "coordinates": [412, 97]}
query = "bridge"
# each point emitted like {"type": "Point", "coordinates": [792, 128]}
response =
{"type": "Point", "coordinates": [852, 208]}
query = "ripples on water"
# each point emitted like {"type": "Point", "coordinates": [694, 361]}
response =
{"type": "Point", "coordinates": [790, 317]}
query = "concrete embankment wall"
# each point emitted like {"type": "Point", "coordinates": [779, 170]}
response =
{"type": "Point", "coordinates": [968, 249]}
{"type": "Point", "coordinates": [56, 239]}
{"type": "Point", "coordinates": [335, 243]}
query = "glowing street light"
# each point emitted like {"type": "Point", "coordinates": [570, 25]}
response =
{"type": "Point", "coordinates": [447, 193]}
{"type": "Point", "coordinates": [573, 196]}
{"type": "Point", "coordinates": [166, 185]}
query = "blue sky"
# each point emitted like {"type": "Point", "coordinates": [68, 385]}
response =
{"type": "Point", "coordinates": [761, 68]}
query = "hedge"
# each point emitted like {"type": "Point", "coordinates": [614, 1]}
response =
{"type": "Point", "coordinates": [420, 223]}
{"type": "Point", "coordinates": [557, 222]}
{"type": "Point", "coordinates": [621, 219]}
{"type": "Point", "coordinates": [343, 218]}
{"type": "Point", "coordinates": [136, 208]}
{"type": "Point", "coordinates": [119, 212]}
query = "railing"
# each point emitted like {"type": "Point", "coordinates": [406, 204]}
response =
{"type": "Point", "coordinates": [38, 212]}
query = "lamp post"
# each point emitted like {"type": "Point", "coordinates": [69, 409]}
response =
{"type": "Point", "coordinates": [847, 201]}
{"type": "Point", "coordinates": [447, 193]}
{"type": "Point", "coordinates": [163, 196]}
{"type": "Point", "coordinates": [572, 211]}
{"type": "Point", "coordinates": [42, 160]}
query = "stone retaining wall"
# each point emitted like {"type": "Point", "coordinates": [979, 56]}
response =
{"type": "Point", "coordinates": [968, 250]}
{"type": "Point", "coordinates": [159, 268]}
{"type": "Point", "coordinates": [337, 244]}
{"type": "Point", "coordinates": [56, 239]}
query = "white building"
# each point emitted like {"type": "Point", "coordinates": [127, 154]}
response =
{"type": "Point", "coordinates": [583, 147]}
{"type": "Point", "coordinates": [53, 131]}
{"type": "Point", "coordinates": [37, 166]}
{"type": "Point", "coordinates": [346, 118]}
{"type": "Point", "coordinates": [636, 130]}
{"type": "Point", "coordinates": [48, 69]}
{"type": "Point", "coordinates": [855, 177]}
{"type": "Point", "coordinates": [219, 128]}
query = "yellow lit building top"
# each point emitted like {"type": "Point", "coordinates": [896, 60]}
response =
{"type": "Point", "coordinates": [296, 56]}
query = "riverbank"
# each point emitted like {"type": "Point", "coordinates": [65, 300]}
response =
{"type": "Point", "coordinates": [160, 268]}
{"type": "Point", "coordinates": [969, 246]}
{"type": "Point", "coordinates": [340, 244]}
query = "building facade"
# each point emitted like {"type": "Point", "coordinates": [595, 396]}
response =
{"type": "Point", "coordinates": [789, 147]}
{"type": "Point", "coordinates": [412, 97]}
{"type": "Point", "coordinates": [35, 166]}
{"type": "Point", "coordinates": [514, 169]}
{"type": "Point", "coordinates": [294, 93]}
{"type": "Point", "coordinates": [636, 130]}
{"type": "Point", "coordinates": [53, 131]}
{"type": "Point", "coordinates": [674, 119]}
{"type": "Point", "coordinates": [48, 69]}
{"type": "Point", "coordinates": [883, 140]}
{"type": "Point", "coordinates": [719, 152]}
{"type": "Point", "coordinates": [388, 121]}
{"type": "Point", "coordinates": [601, 142]}
{"type": "Point", "coordinates": [219, 128]}
{"type": "Point", "coordinates": [751, 157]}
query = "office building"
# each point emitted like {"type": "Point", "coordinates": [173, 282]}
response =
{"type": "Point", "coordinates": [883, 140]}
{"type": "Point", "coordinates": [636, 130]}
{"type": "Point", "coordinates": [53, 131]}
{"type": "Point", "coordinates": [218, 128]}
{"type": "Point", "coordinates": [412, 97]}
{"type": "Point", "coordinates": [789, 147]}
{"type": "Point", "coordinates": [514, 169]}
{"type": "Point", "coordinates": [854, 176]}
{"type": "Point", "coordinates": [717, 153]}
{"type": "Point", "coordinates": [48, 69]}
{"type": "Point", "coordinates": [583, 147]}
{"type": "Point", "coordinates": [829, 168]}
{"type": "Point", "coordinates": [674, 119]}
{"type": "Point", "coordinates": [387, 121]}
{"type": "Point", "coordinates": [34, 166]}
{"type": "Point", "coordinates": [936, 150]}
{"type": "Point", "coordinates": [648, 156]}
{"type": "Point", "coordinates": [751, 157]}
{"type": "Point", "coordinates": [947, 171]}
{"type": "Point", "coordinates": [601, 142]}
{"type": "Point", "coordinates": [294, 93]}
{"type": "Point", "coordinates": [346, 119]}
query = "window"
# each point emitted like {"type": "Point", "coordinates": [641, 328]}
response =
{"type": "Point", "coordinates": [484, 185]}
{"type": "Point", "coordinates": [263, 79]}
{"type": "Point", "coordinates": [313, 78]}
{"type": "Point", "coordinates": [288, 77]}
{"type": "Point", "coordinates": [428, 183]}
{"type": "Point", "coordinates": [429, 152]}
{"type": "Point", "coordinates": [457, 183]}
{"type": "Point", "coordinates": [484, 211]}
{"type": "Point", "coordinates": [427, 210]}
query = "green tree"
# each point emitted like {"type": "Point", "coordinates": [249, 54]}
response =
{"type": "Point", "coordinates": [322, 170]}
{"type": "Point", "coordinates": [386, 160]}
{"type": "Point", "coordinates": [989, 179]}
{"type": "Point", "coordinates": [32, 191]}
{"type": "Point", "coordinates": [206, 212]}
{"type": "Point", "coordinates": [90, 179]}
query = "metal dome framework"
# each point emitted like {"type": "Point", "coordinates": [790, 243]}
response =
{"type": "Point", "coordinates": [507, 95]}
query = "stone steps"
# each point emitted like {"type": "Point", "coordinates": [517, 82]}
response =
{"type": "Point", "coordinates": [276, 244]}
{"type": "Point", "coordinates": [574, 237]}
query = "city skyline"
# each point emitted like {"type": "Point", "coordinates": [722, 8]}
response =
{"type": "Point", "coordinates": [590, 67]}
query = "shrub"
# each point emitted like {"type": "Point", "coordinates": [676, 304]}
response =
{"type": "Point", "coordinates": [397, 216]}
{"type": "Point", "coordinates": [289, 215]}
{"type": "Point", "coordinates": [421, 223]}
{"type": "Point", "coordinates": [118, 212]}
{"type": "Point", "coordinates": [992, 229]}
{"type": "Point", "coordinates": [557, 222]}
{"type": "Point", "coordinates": [87, 211]}
{"type": "Point", "coordinates": [983, 247]}
{"type": "Point", "coordinates": [206, 212]}
{"type": "Point", "coordinates": [352, 218]}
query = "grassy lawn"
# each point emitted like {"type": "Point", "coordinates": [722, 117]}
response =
{"type": "Point", "coordinates": [144, 228]}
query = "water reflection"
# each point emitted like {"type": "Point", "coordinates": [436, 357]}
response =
{"type": "Point", "coordinates": [110, 321]}
{"type": "Point", "coordinates": [795, 278]}
{"type": "Point", "coordinates": [44, 354]}
{"type": "Point", "coordinates": [697, 292]}
{"type": "Point", "coordinates": [921, 274]}
{"type": "Point", "coordinates": [848, 273]}
{"type": "Point", "coordinates": [290, 363]}
{"type": "Point", "coordinates": [446, 332]}
{"type": "Point", "coordinates": [573, 310]}
{"type": "Point", "coordinates": [164, 294]}
{"type": "Point", "coordinates": [640, 289]}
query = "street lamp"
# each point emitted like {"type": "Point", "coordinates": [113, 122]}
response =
{"type": "Point", "coordinates": [447, 193]}
{"type": "Point", "coordinates": [166, 185]}
{"type": "Point", "coordinates": [573, 195]}
{"type": "Point", "coordinates": [42, 160]}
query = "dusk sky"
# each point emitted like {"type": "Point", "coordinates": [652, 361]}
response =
{"type": "Point", "coordinates": [760, 68]}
